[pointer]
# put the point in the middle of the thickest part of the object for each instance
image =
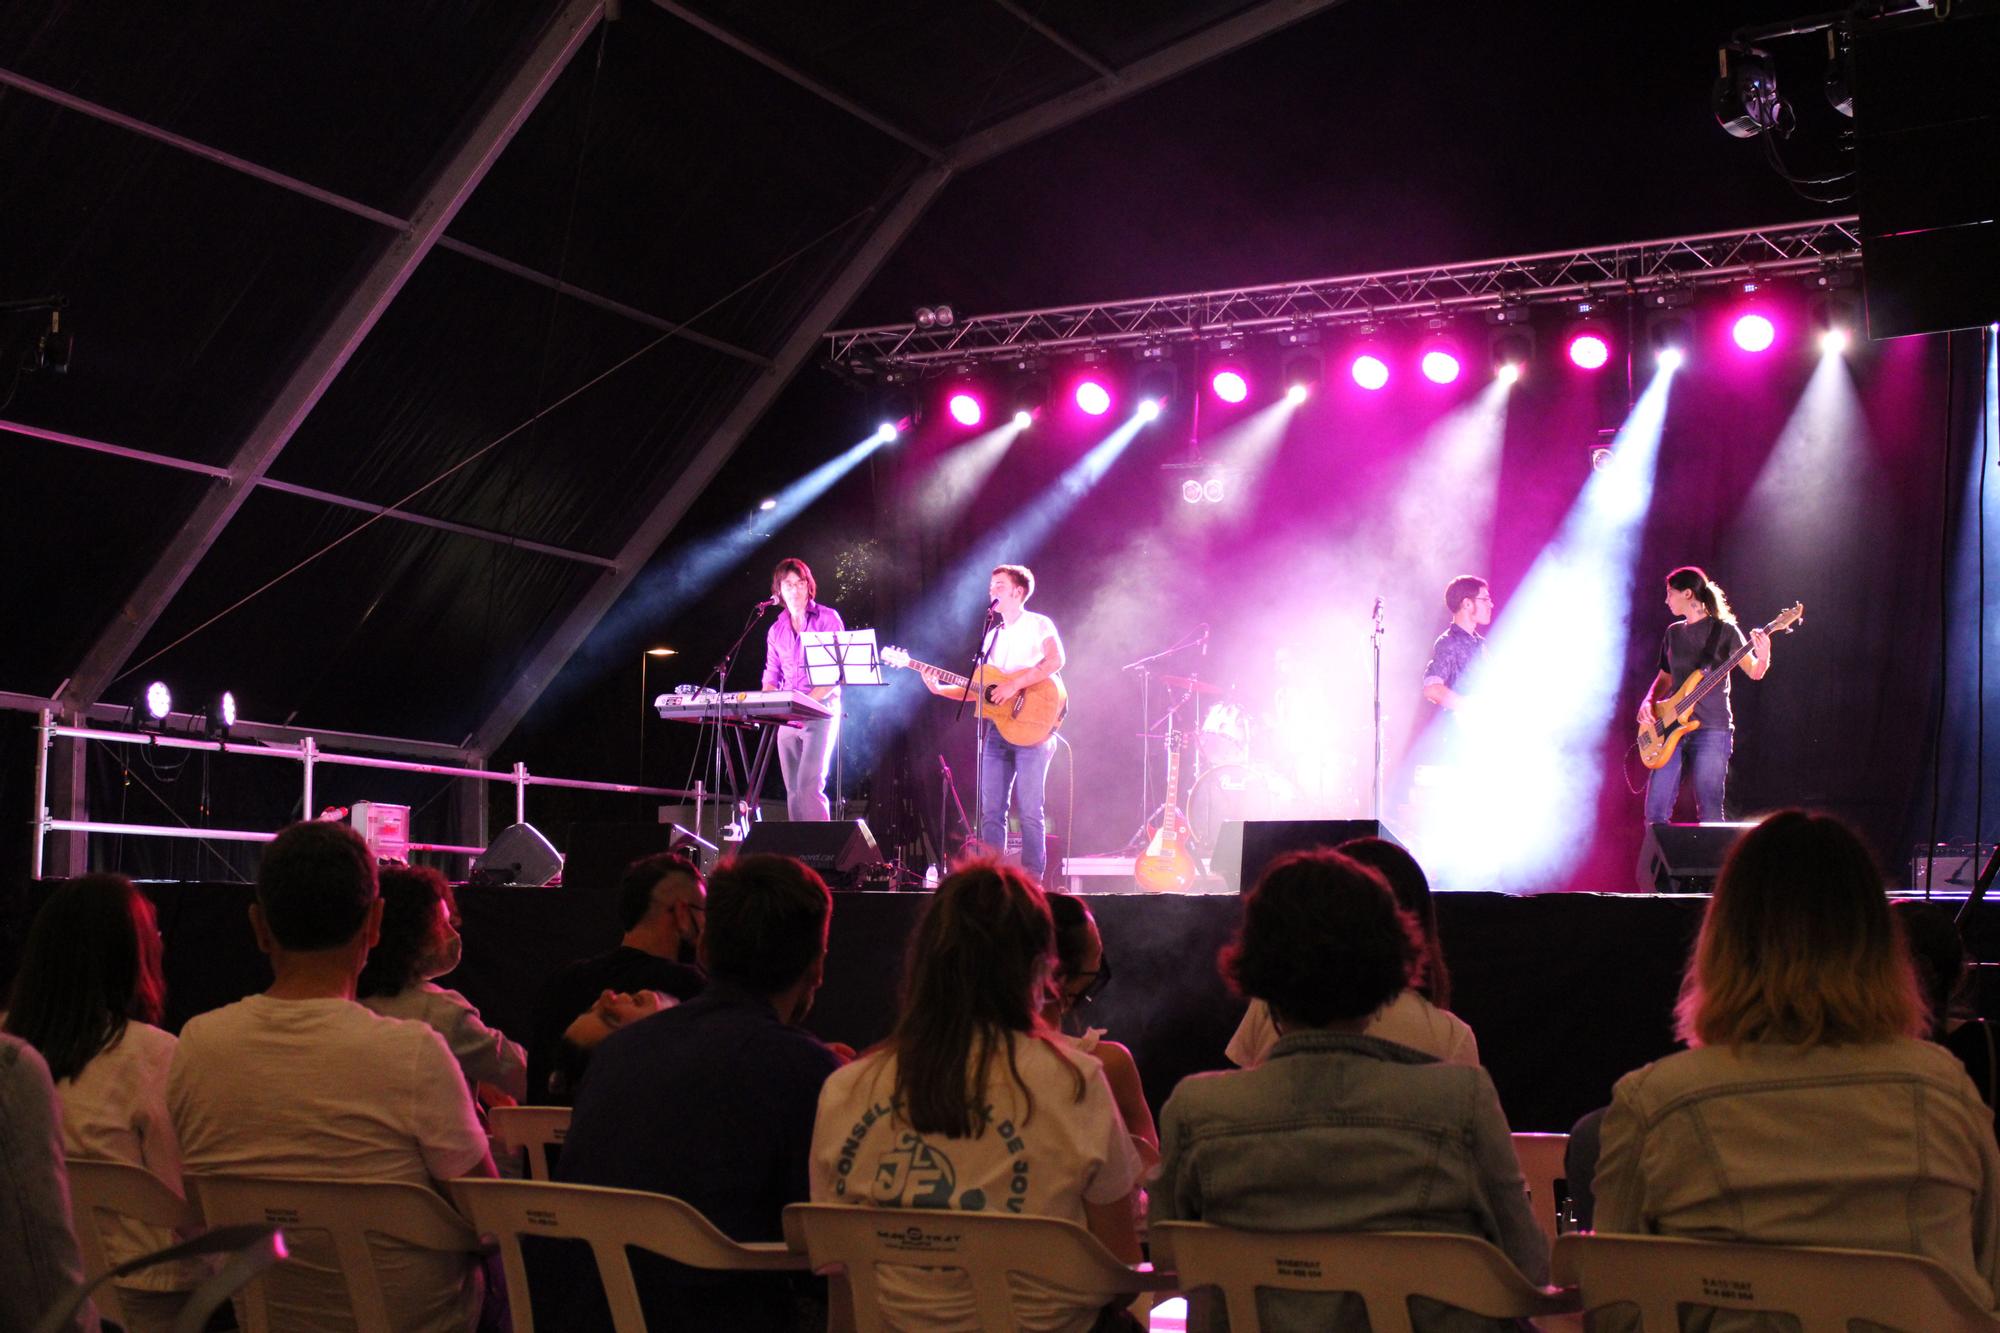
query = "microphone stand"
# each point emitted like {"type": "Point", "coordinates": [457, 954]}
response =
{"type": "Point", "coordinates": [721, 674]}
{"type": "Point", "coordinates": [1143, 666]}
{"type": "Point", "coordinates": [1375, 639]}
{"type": "Point", "coordinates": [987, 641]}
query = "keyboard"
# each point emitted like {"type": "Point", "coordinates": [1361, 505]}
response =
{"type": "Point", "coordinates": [742, 706]}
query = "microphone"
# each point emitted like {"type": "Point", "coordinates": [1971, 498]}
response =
{"type": "Point", "coordinates": [1377, 613]}
{"type": "Point", "coordinates": [993, 605]}
{"type": "Point", "coordinates": [767, 603]}
{"type": "Point", "coordinates": [1204, 641]}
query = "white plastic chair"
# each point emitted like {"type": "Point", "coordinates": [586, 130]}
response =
{"type": "Point", "coordinates": [350, 1213]}
{"type": "Point", "coordinates": [1383, 1268]}
{"type": "Point", "coordinates": [531, 1130]}
{"type": "Point", "coordinates": [988, 1247]}
{"type": "Point", "coordinates": [1541, 1159]}
{"type": "Point", "coordinates": [1822, 1288]}
{"type": "Point", "coordinates": [610, 1220]}
{"type": "Point", "coordinates": [101, 1191]}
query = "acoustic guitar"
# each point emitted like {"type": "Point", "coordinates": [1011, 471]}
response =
{"type": "Point", "coordinates": [1167, 866]}
{"type": "Point", "coordinates": [1673, 717]}
{"type": "Point", "coordinates": [1029, 718]}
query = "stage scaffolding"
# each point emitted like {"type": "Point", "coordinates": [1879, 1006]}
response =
{"type": "Point", "coordinates": [1557, 277]}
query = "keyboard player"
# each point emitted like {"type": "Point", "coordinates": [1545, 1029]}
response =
{"type": "Point", "coordinates": [806, 750]}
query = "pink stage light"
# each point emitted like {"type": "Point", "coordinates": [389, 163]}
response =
{"type": "Point", "coordinates": [1093, 398]}
{"type": "Point", "coordinates": [1370, 372]}
{"type": "Point", "coordinates": [1230, 386]}
{"type": "Point", "coordinates": [1754, 333]}
{"type": "Point", "coordinates": [1589, 351]}
{"type": "Point", "coordinates": [966, 409]}
{"type": "Point", "coordinates": [1440, 366]}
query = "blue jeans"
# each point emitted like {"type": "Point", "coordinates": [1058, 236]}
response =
{"type": "Point", "coordinates": [1023, 769]}
{"type": "Point", "coordinates": [1707, 753]}
{"type": "Point", "coordinates": [804, 753]}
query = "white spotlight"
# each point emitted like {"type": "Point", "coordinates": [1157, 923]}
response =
{"type": "Point", "coordinates": [1509, 373]}
{"type": "Point", "coordinates": [1023, 420]}
{"type": "Point", "coordinates": [1296, 394]}
{"type": "Point", "coordinates": [1671, 358]}
{"type": "Point", "coordinates": [1191, 491]}
{"type": "Point", "coordinates": [1149, 409]}
{"type": "Point", "coordinates": [886, 432]}
{"type": "Point", "coordinates": [767, 504]}
{"type": "Point", "coordinates": [1833, 342]}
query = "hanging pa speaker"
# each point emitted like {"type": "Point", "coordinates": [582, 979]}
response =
{"type": "Point", "coordinates": [520, 855]}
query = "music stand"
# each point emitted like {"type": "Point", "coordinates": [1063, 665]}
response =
{"type": "Point", "coordinates": [842, 657]}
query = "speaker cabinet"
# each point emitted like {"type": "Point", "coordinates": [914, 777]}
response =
{"type": "Point", "coordinates": [520, 855]}
{"type": "Point", "coordinates": [1685, 858]}
{"type": "Point", "coordinates": [1244, 847]}
{"type": "Point", "coordinates": [838, 849]}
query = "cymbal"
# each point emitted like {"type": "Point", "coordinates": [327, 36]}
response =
{"type": "Point", "coordinates": [1190, 683]}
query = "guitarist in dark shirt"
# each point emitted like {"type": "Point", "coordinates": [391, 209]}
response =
{"type": "Point", "coordinates": [1705, 635]}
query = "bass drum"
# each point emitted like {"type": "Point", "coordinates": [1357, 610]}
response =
{"type": "Point", "coordinates": [1225, 735]}
{"type": "Point", "coordinates": [1233, 791]}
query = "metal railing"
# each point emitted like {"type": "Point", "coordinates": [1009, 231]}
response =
{"type": "Point", "coordinates": [305, 752]}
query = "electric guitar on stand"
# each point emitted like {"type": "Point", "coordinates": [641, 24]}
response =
{"type": "Point", "coordinates": [1029, 718]}
{"type": "Point", "coordinates": [1167, 866]}
{"type": "Point", "coordinates": [1673, 717]}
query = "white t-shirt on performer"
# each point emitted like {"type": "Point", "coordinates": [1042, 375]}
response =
{"type": "Point", "coordinates": [325, 1089]}
{"type": "Point", "coordinates": [1047, 1163]}
{"type": "Point", "coordinates": [1019, 645]}
{"type": "Point", "coordinates": [1408, 1020]}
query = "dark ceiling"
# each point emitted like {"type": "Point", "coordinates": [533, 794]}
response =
{"type": "Point", "coordinates": [694, 203]}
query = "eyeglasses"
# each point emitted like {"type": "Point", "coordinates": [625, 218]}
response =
{"type": "Point", "coordinates": [1093, 988]}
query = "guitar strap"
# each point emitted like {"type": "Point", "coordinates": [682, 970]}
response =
{"type": "Point", "coordinates": [1709, 657]}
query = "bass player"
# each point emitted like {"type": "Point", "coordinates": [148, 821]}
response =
{"type": "Point", "coordinates": [1705, 635]}
{"type": "Point", "coordinates": [1027, 642]}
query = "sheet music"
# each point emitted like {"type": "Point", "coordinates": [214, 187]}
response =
{"type": "Point", "coordinates": [842, 657]}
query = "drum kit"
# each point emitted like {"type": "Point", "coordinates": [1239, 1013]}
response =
{"type": "Point", "coordinates": [1227, 783]}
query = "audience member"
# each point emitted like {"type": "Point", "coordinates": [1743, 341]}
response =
{"type": "Point", "coordinates": [39, 1266]}
{"type": "Point", "coordinates": [1419, 1017]}
{"type": "Point", "coordinates": [87, 998]}
{"type": "Point", "coordinates": [713, 1101]}
{"type": "Point", "coordinates": [660, 908]}
{"type": "Point", "coordinates": [1339, 1130]}
{"type": "Point", "coordinates": [303, 1082]}
{"type": "Point", "coordinates": [1938, 951]}
{"type": "Point", "coordinates": [974, 1105]}
{"type": "Point", "coordinates": [1806, 1111]}
{"type": "Point", "coordinates": [1083, 970]}
{"type": "Point", "coordinates": [420, 942]}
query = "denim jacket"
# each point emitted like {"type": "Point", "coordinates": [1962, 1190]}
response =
{"type": "Point", "coordinates": [1346, 1133]}
{"type": "Point", "coordinates": [1882, 1146]}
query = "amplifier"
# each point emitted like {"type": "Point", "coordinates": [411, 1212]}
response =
{"type": "Point", "coordinates": [1949, 867]}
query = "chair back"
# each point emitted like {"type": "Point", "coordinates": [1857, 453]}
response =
{"type": "Point", "coordinates": [987, 1246]}
{"type": "Point", "coordinates": [1383, 1268]}
{"type": "Point", "coordinates": [1541, 1159]}
{"type": "Point", "coordinates": [1823, 1289]}
{"type": "Point", "coordinates": [100, 1191]}
{"type": "Point", "coordinates": [532, 1130]}
{"type": "Point", "coordinates": [610, 1220]}
{"type": "Point", "coordinates": [350, 1212]}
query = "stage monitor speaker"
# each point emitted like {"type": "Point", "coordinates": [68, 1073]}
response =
{"type": "Point", "coordinates": [519, 855]}
{"type": "Point", "coordinates": [1244, 847]}
{"type": "Point", "coordinates": [1927, 138]}
{"type": "Point", "coordinates": [1685, 858]}
{"type": "Point", "coordinates": [838, 849]}
{"type": "Point", "coordinates": [599, 853]}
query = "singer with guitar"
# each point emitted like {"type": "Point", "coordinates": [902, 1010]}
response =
{"type": "Point", "coordinates": [1705, 636]}
{"type": "Point", "coordinates": [1025, 644]}
{"type": "Point", "coordinates": [805, 751]}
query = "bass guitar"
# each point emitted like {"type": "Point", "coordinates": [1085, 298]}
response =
{"type": "Point", "coordinates": [1167, 866]}
{"type": "Point", "coordinates": [1029, 718]}
{"type": "Point", "coordinates": [1673, 717]}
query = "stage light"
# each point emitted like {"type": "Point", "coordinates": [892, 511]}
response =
{"type": "Point", "coordinates": [1600, 458]}
{"type": "Point", "coordinates": [157, 701]}
{"type": "Point", "coordinates": [1509, 350]}
{"type": "Point", "coordinates": [1214, 490]}
{"type": "Point", "coordinates": [1093, 398]}
{"type": "Point", "coordinates": [884, 434]}
{"type": "Point", "coordinates": [1440, 366]}
{"type": "Point", "coordinates": [1369, 371]}
{"type": "Point", "coordinates": [1509, 373]}
{"type": "Point", "coordinates": [1149, 409]}
{"type": "Point", "coordinates": [1670, 358]}
{"type": "Point", "coordinates": [1023, 419]}
{"type": "Point", "coordinates": [768, 503]}
{"type": "Point", "coordinates": [1297, 394]}
{"type": "Point", "coordinates": [1833, 342]}
{"type": "Point", "coordinates": [966, 409]}
{"type": "Point", "coordinates": [1745, 99]}
{"type": "Point", "coordinates": [1671, 337]}
{"type": "Point", "coordinates": [1230, 386]}
{"type": "Point", "coordinates": [1302, 372]}
{"type": "Point", "coordinates": [221, 719]}
{"type": "Point", "coordinates": [1191, 491]}
{"type": "Point", "coordinates": [935, 316]}
{"type": "Point", "coordinates": [1754, 333]}
{"type": "Point", "coordinates": [1588, 351]}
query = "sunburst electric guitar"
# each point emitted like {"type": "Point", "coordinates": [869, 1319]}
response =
{"type": "Point", "coordinates": [1029, 718]}
{"type": "Point", "coordinates": [1673, 717]}
{"type": "Point", "coordinates": [1167, 866]}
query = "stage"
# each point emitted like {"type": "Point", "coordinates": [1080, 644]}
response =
{"type": "Point", "coordinates": [1565, 991]}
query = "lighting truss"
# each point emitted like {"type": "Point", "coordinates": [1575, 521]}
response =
{"type": "Point", "coordinates": [1554, 278]}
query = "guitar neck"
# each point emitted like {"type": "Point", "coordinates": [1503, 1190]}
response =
{"type": "Point", "coordinates": [1721, 672]}
{"type": "Point", "coordinates": [1169, 817]}
{"type": "Point", "coordinates": [949, 679]}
